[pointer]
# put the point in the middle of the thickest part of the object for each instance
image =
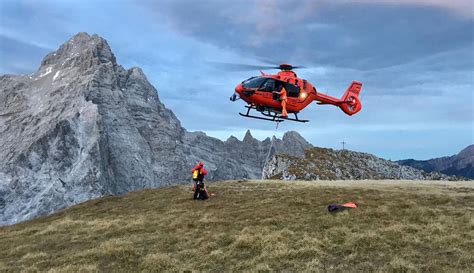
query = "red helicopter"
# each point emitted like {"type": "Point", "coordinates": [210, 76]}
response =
{"type": "Point", "coordinates": [258, 93]}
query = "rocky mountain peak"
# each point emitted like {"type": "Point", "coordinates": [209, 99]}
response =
{"type": "Point", "coordinates": [81, 49]}
{"type": "Point", "coordinates": [137, 73]}
{"type": "Point", "coordinates": [467, 152]}
{"type": "Point", "coordinates": [248, 137]}
{"type": "Point", "coordinates": [232, 139]}
{"type": "Point", "coordinates": [293, 142]}
{"type": "Point", "coordinates": [292, 136]}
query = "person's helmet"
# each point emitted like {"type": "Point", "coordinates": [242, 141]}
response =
{"type": "Point", "coordinates": [201, 164]}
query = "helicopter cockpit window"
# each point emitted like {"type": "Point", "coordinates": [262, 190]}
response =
{"type": "Point", "coordinates": [269, 85]}
{"type": "Point", "coordinates": [253, 82]}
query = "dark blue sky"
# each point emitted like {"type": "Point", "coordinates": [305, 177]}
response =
{"type": "Point", "coordinates": [415, 59]}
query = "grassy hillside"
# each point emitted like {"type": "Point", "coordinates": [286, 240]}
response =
{"type": "Point", "coordinates": [399, 226]}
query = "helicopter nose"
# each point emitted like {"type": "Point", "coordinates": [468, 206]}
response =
{"type": "Point", "coordinates": [239, 88]}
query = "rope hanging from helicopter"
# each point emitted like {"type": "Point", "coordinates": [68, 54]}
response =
{"type": "Point", "coordinates": [269, 150]}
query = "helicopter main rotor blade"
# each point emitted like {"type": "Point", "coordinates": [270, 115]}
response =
{"type": "Point", "coordinates": [250, 67]}
{"type": "Point", "coordinates": [279, 63]}
{"type": "Point", "coordinates": [241, 67]}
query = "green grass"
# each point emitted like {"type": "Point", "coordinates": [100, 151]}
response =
{"type": "Point", "coordinates": [255, 226]}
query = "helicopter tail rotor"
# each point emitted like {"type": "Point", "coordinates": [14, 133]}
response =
{"type": "Point", "coordinates": [350, 100]}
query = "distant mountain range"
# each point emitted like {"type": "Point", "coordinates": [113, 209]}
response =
{"type": "Point", "coordinates": [461, 164]}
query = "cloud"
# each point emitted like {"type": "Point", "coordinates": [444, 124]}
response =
{"type": "Point", "coordinates": [15, 35]}
{"type": "Point", "coordinates": [461, 7]}
{"type": "Point", "coordinates": [343, 34]}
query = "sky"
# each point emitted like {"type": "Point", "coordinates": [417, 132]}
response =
{"type": "Point", "coordinates": [415, 59]}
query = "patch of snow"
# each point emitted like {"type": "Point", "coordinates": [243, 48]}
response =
{"type": "Point", "coordinates": [56, 75]}
{"type": "Point", "coordinates": [48, 70]}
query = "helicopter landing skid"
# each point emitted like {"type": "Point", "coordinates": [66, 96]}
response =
{"type": "Point", "coordinates": [283, 118]}
{"type": "Point", "coordinates": [274, 118]}
{"type": "Point", "coordinates": [271, 117]}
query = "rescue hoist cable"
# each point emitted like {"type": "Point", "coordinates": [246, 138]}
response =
{"type": "Point", "coordinates": [270, 149]}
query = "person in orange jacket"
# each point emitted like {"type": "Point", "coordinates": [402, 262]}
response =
{"type": "Point", "coordinates": [198, 172]}
{"type": "Point", "coordinates": [283, 98]}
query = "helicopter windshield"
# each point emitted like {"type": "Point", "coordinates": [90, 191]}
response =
{"type": "Point", "coordinates": [254, 82]}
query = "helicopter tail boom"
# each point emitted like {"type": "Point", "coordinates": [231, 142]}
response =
{"type": "Point", "coordinates": [349, 102]}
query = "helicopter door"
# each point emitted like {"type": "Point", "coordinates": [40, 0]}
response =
{"type": "Point", "coordinates": [292, 90]}
{"type": "Point", "coordinates": [268, 86]}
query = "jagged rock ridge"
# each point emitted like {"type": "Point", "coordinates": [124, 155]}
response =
{"type": "Point", "coordinates": [461, 164]}
{"type": "Point", "coordinates": [82, 126]}
{"type": "Point", "coordinates": [329, 164]}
